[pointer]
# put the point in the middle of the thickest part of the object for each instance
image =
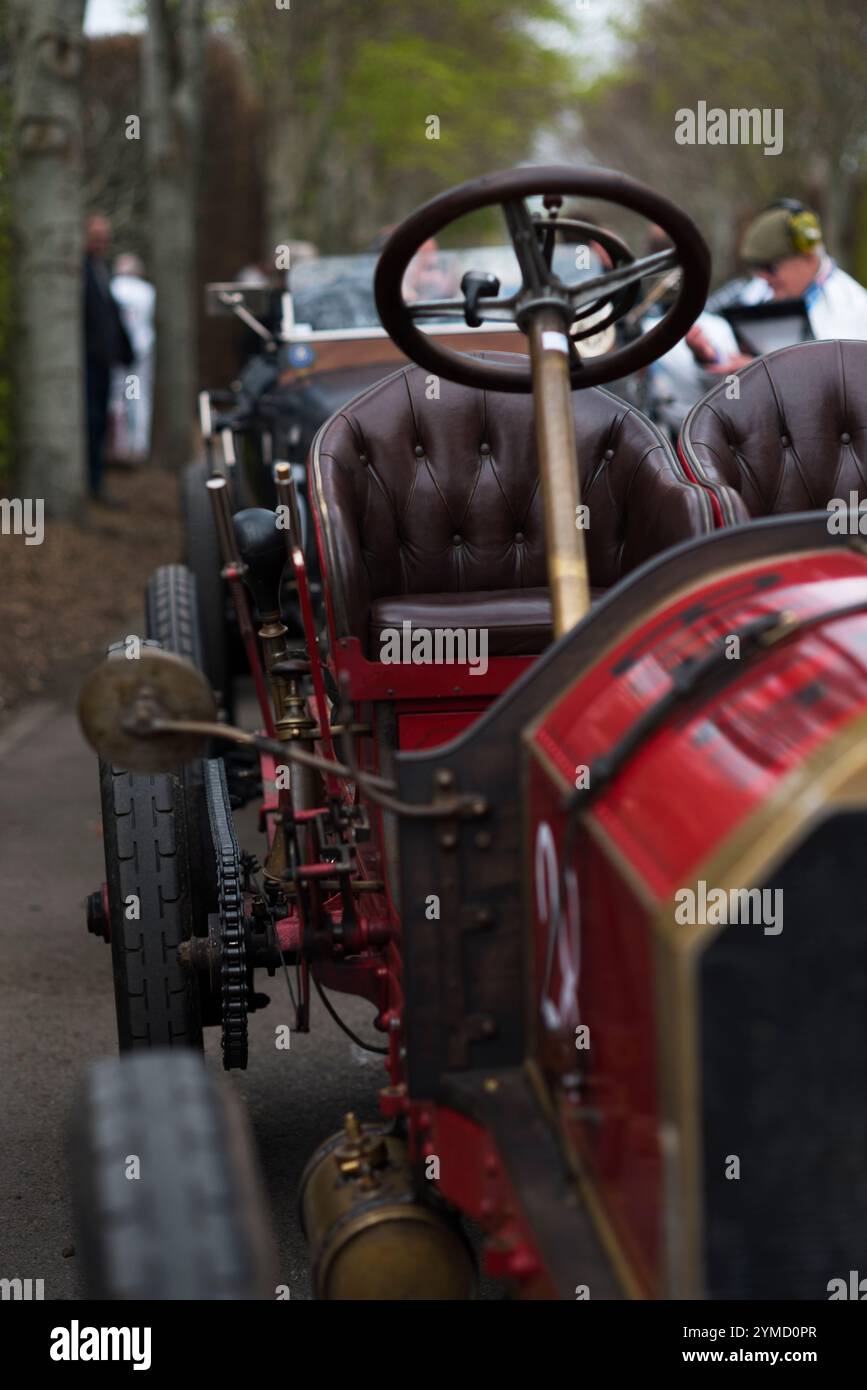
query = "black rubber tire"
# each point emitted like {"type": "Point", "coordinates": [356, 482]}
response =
{"type": "Point", "coordinates": [173, 620]}
{"type": "Point", "coordinates": [144, 822]}
{"type": "Point", "coordinates": [203, 559]}
{"type": "Point", "coordinates": [171, 606]}
{"type": "Point", "coordinates": [194, 1223]}
{"type": "Point", "coordinates": [172, 609]}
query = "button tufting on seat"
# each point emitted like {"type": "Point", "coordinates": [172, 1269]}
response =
{"type": "Point", "coordinates": [794, 421]}
{"type": "Point", "coordinates": [362, 458]}
{"type": "Point", "coordinates": [609, 454]}
{"type": "Point", "coordinates": [389, 543]}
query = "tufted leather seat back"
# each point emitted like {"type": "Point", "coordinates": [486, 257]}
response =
{"type": "Point", "coordinates": [427, 487]}
{"type": "Point", "coordinates": [795, 437]}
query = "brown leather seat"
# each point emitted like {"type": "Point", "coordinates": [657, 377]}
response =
{"type": "Point", "coordinates": [429, 509]}
{"type": "Point", "coordinates": [795, 437]}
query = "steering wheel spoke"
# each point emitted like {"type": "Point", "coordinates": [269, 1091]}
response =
{"type": "Point", "coordinates": [523, 229]}
{"type": "Point", "coordinates": [435, 308]}
{"type": "Point", "coordinates": [491, 310]}
{"type": "Point", "coordinates": [621, 278]}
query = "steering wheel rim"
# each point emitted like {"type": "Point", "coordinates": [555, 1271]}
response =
{"type": "Point", "coordinates": [508, 186]}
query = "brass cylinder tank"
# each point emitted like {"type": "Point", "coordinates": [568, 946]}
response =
{"type": "Point", "coordinates": [370, 1237]}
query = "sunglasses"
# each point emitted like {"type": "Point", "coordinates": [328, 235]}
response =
{"type": "Point", "coordinates": [767, 267]}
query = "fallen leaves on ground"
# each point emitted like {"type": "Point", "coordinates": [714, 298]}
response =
{"type": "Point", "coordinates": [63, 602]}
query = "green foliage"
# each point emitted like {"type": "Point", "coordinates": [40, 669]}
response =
{"type": "Point", "coordinates": [810, 62]}
{"type": "Point", "coordinates": [395, 84]}
{"type": "Point", "coordinates": [348, 91]}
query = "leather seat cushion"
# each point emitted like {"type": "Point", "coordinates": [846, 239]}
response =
{"type": "Point", "coordinates": [420, 494]}
{"type": "Point", "coordinates": [517, 621]}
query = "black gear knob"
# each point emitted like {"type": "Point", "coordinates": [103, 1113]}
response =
{"type": "Point", "coordinates": [262, 547]}
{"type": "Point", "coordinates": [476, 285]}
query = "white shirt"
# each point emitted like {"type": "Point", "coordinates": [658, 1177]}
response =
{"type": "Point", "coordinates": [836, 307]}
{"type": "Point", "coordinates": [136, 300]}
{"type": "Point", "coordinates": [836, 304]}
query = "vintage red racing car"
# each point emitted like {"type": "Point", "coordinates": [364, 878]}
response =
{"type": "Point", "coordinates": [568, 778]}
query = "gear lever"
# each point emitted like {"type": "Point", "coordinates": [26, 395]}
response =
{"type": "Point", "coordinates": [476, 285]}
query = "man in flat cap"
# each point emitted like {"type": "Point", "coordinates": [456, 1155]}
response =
{"type": "Point", "coordinates": [784, 249]}
{"type": "Point", "coordinates": [784, 252]}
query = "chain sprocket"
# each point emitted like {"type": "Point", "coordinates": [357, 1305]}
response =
{"type": "Point", "coordinates": [234, 975]}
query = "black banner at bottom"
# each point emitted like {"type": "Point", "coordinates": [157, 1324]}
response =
{"type": "Point", "coordinates": [63, 1339]}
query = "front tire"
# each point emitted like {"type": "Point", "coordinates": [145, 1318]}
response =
{"type": "Point", "coordinates": [172, 612]}
{"type": "Point", "coordinates": [168, 1199]}
{"type": "Point", "coordinates": [172, 616]}
{"type": "Point", "coordinates": [152, 835]}
{"type": "Point", "coordinates": [150, 909]}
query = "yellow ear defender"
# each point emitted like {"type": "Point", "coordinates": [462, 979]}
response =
{"type": "Point", "coordinates": [805, 231]}
{"type": "Point", "coordinates": [803, 226]}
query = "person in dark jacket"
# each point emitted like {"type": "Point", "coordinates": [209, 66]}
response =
{"type": "Point", "coordinates": [106, 345]}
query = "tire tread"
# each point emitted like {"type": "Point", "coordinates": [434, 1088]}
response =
{"type": "Point", "coordinates": [194, 1224]}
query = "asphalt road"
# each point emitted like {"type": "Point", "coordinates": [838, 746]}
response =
{"type": "Point", "coordinates": [57, 1015]}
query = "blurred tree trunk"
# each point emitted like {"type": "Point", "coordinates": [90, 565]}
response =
{"type": "Point", "coordinates": [299, 198]}
{"type": "Point", "coordinates": [47, 42]}
{"type": "Point", "coordinates": [173, 54]}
